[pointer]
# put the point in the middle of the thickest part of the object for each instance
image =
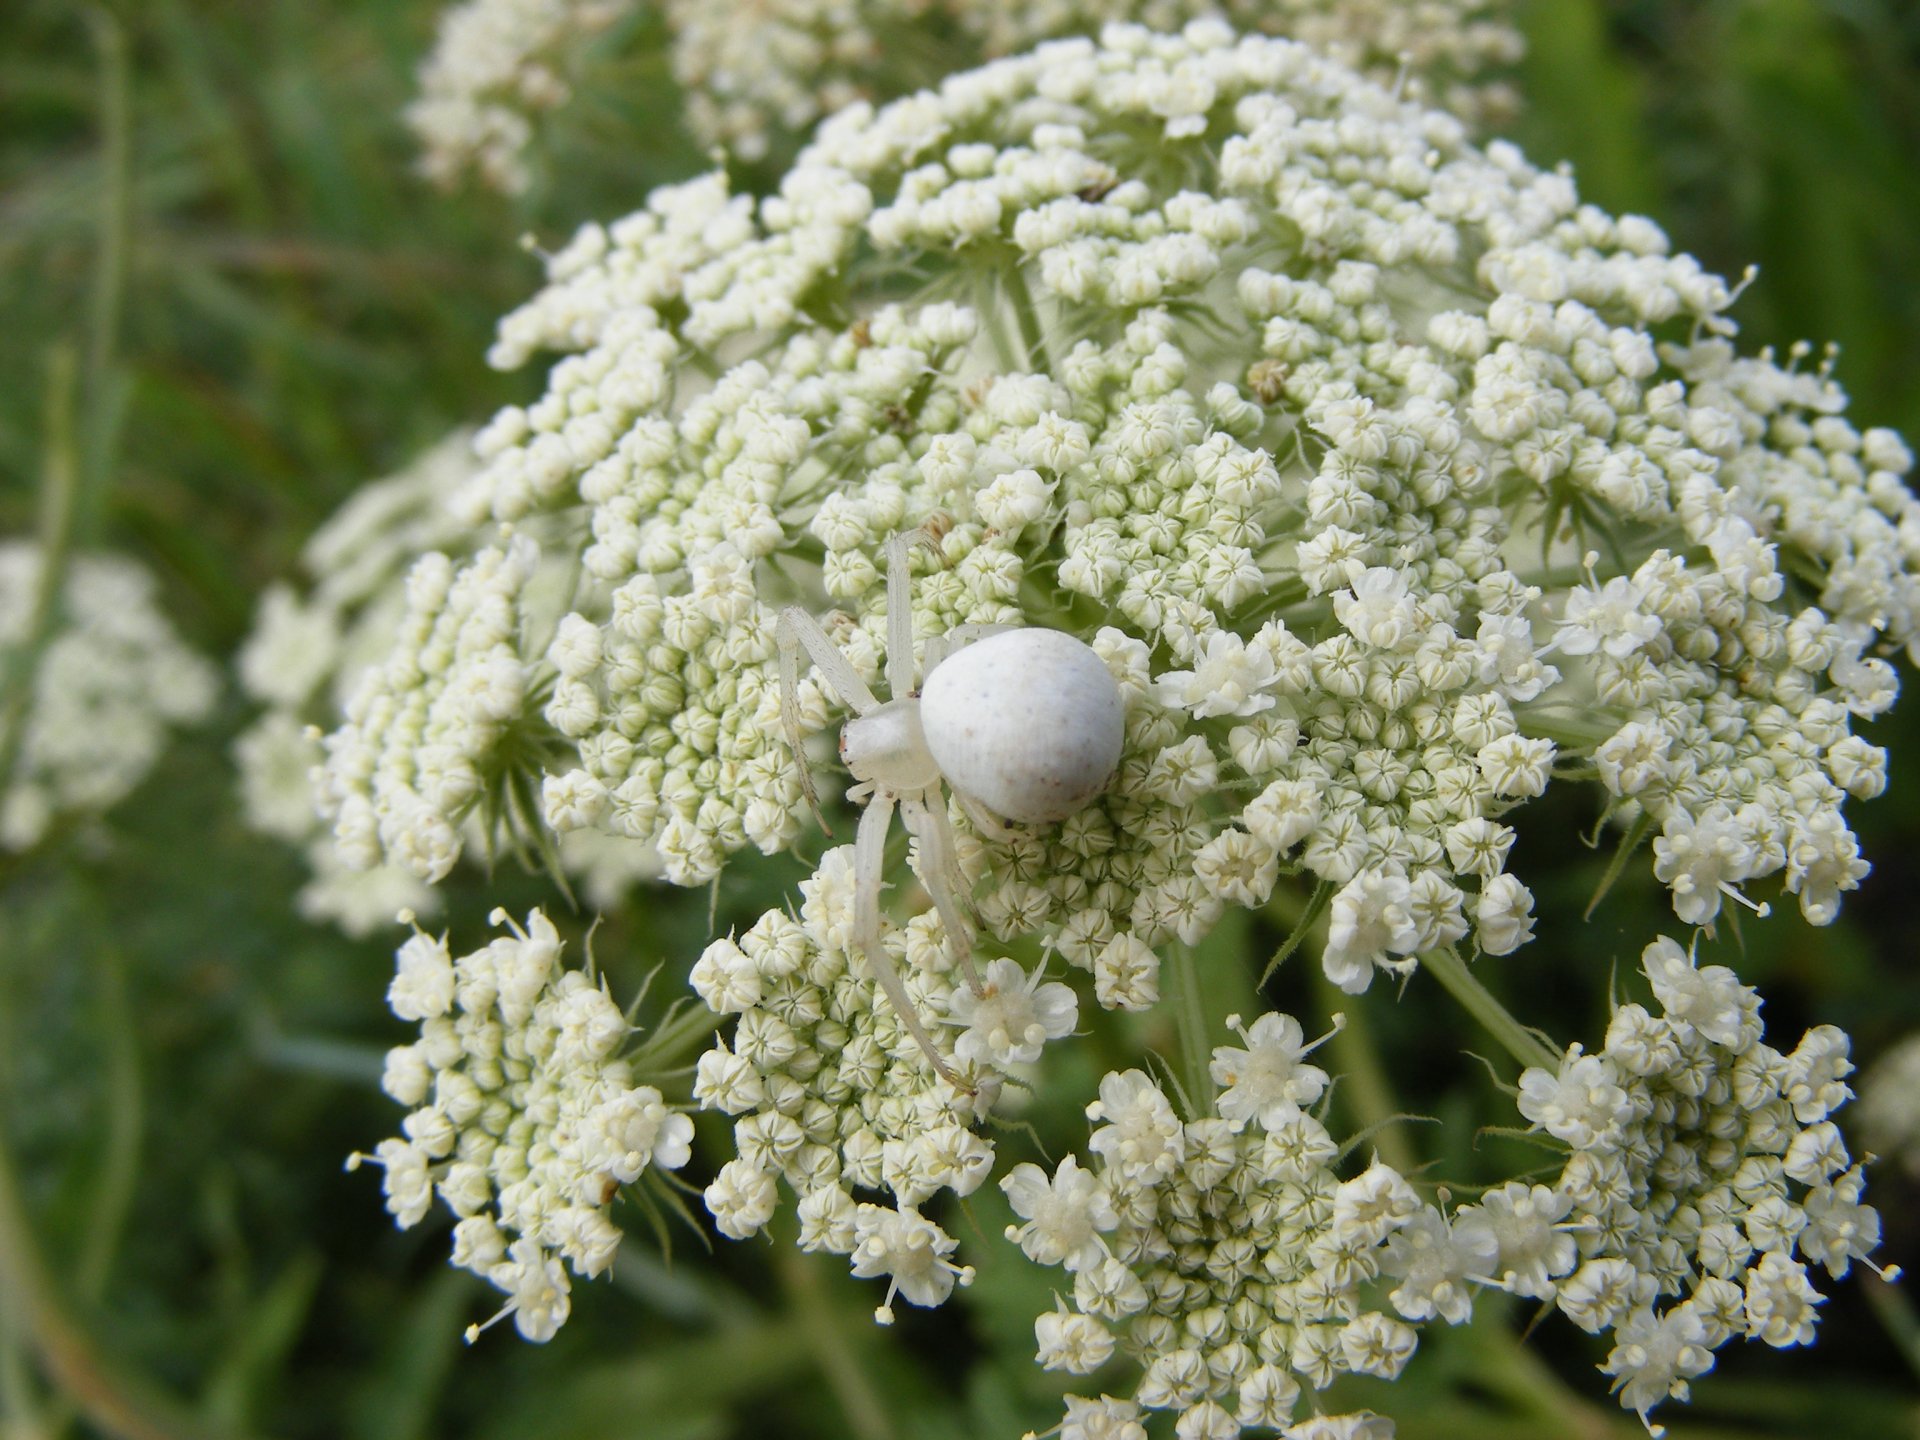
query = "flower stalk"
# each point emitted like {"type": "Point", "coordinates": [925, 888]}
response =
{"type": "Point", "coordinates": [1516, 1039]}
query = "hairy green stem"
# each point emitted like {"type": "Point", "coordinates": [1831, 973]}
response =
{"type": "Point", "coordinates": [116, 198]}
{"type": "Point", "coordinates": [1027, 315]}
{"type": "Point", "coordinates": [1190, 1020]}
{"type": "Point", "coordinates": [1302, 925]}
{"type": "Point", "coordinates": [119, 1164]}
{"type": "Point", "coordinates": [1522, 1044]}
{"type": "Point", "coordinates": [59, 490]}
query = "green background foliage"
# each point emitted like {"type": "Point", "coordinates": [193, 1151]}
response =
{"type": "Point", "coordinates": [209, 224]}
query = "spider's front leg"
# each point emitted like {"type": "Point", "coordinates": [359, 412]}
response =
{"type": "Point", "coordinates": [869, 859]}
{"type": "Point", "coordinates": [797, 631]}
{"type": "Point", "coordinates": [900, 667]}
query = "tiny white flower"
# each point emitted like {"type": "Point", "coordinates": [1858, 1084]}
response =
{"type": "Point", "coordinates": [1266, 1082]}
{"type": "Point", "coordinates": [1712, 1001]}
{"type": "Point", "coordinates": [1229, 677]}
{"type": "Point", "coordinates": [911, 1251]}
{"type": "Point", "coordinates": [1013, 1015]}
{"type": "Point", "coordinates": [1611, 619]}
{"type": "Point", "coordinates": [423, 983]}
{"type": "Point", "coordinates": [1534, 1249]}
{"type": "Point", "coordinates": [1655, 1355]}
{"type": "Point", "coordinates": [1371, 919]}
{"type": "Point", "coordinates": [1064, 1215]}
{"type": "Point", "coordinates": [1582, 1105]}
{"type": "Point", "coordinates": [1077, 1344]}
{"type": "Point", "coordinates": [1141, 1136]}
{"type": "Point", "coordinates": [1376, 607]}
{"type": "Point", "coordinates": [1436, 1262]}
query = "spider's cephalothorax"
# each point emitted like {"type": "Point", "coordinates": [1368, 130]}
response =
{"type": "Point", "coordinates": [1022, 725]}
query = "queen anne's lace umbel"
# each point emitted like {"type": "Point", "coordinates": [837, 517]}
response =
{"type": "Point", "coordinates": [1392, 484]}
{"type": "Point", "coordinates": [111, 680]}
{"type": "Point", "coordinates": [525, 1120]}
{"type": "Point", "coordinates": [832, 1094]}
{"type": "Point", "coordinates": [1708, 1180]}
{"type": "Point", "coordinates": [755, 76]}
{"type": "Point", "coordinates": [495, 65]}
{"type": "Point", "coordinates": [1225, 1254]}
{"type": "Point", "coordinates": [1300, 407]}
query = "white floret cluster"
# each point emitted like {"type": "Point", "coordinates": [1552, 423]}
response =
{"type": "Point", "coordinates": [1707, 1180]}
{"type": "Point", "coordinates": [307, 651]}
{"type": "Point", "coordinates": [309, 654]}
{"type": "Point", "coordinates": [495, 65]}
{"type": "Point", "coordinates": [832, 1094]}
{"type": "Point", "coordinates": [756, 76]}
{"type": "Point", "coordinates": [525, 1120]}
{"type": "Point", "coordinates": [1447, 53]}
{"type": "Point", "coordinates": [752, 83]}
{"type": "Point", "coordinates": [1227, 1257]}
{"type": "Point", "coordinates": [1392, 484]}
{"type": "Point", "coordinates": [112, 679]}
{"type": "Point", "coordinates": [435, 731]}
{"type": "Point", "coordinates": [1304, 409]}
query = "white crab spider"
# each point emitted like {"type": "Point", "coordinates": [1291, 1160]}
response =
{"type": "Point", "coordinates": [1021, 724]}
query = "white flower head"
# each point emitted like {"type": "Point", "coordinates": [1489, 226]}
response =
{"type": "Point", "coordinates": [911, 1251]}
{"type": "Point", "coordinates": [1372, 920]}
{"type": "Point", "coordinates": [524, 1119]}
{"type": "Point", "coordinates": [1141, 1136]}
{"type": "Point", "coordinates": [1437, 1263]}
{"type": "Point", "coordinates": [108, 682]}
{"type": "Point", "coordinates": [1582, 1105]}
{"type": "Point", "coordinates": [1533, 1247]}
{"type": "Point", "coordinates": [1267, 1082]}
{"type": "Point", "coordinates": [1012, 1016]}
{"type": "Point", "coordinates": [1611, 619]}
{"type": "Point", "coordinates": [1711, 1000]}
{"type": "Point", "coordinates": [1655, 1356]}
{"type": "Point", "coordinates": [1064, 1215]}
{"type": "Point", "coordinates": [1229, 677]}
{"type": "Point", "coordinates": [1377, 607]}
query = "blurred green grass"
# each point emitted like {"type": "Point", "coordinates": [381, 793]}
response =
{"type": "Point", "coordinates": [183, 1064]}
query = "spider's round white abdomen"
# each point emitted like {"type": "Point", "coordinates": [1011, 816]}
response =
{"type": "Point", "coordinates": [1027, 722]}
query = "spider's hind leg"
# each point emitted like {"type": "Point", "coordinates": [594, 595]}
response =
{"type": "Point", "coordinates": [940, 872]}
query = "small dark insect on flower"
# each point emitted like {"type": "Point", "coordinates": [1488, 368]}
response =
{"type": "Point", "coordinates": [1099, 190]}
{"type": "Point", "coordinates": [1268, 380]}
{"type": "Point", "coordinates": [862, 332]}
